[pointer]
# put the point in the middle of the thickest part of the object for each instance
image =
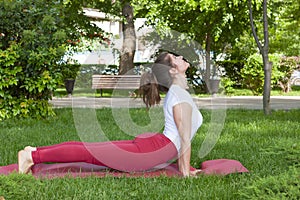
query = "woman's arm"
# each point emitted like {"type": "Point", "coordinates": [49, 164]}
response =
{"type": "Point", "coordinates": [183, 118]}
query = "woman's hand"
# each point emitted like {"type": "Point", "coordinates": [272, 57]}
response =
{"type": "Point", "coordinates": [189, 173]}
{"type": "Point", "coordinates": [195, 172]}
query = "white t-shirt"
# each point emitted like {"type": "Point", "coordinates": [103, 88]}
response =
{"type": "Point", "coordinates": [177, 95]}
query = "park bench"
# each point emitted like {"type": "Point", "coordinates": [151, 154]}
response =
{"type": "Point", "coordinates": [118, 82]}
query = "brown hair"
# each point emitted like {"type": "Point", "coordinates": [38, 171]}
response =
{"type": "Point", "coordinates": [156, 81]}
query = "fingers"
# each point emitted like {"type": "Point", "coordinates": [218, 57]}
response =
{"type": "Point", "coordinates": [195, 172]}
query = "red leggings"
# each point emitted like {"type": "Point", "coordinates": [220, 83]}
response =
{"type": "Point", "coordinates": [143, 153]}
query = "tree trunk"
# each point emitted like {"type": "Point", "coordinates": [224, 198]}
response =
{"type": "Point", "coordinates": [267, 84]}
{"type": "Point", "coordinates": [207, 62]}
{"type": "Point", "coordinates": [129, 41]}
{"type": "Point", "coordinates": [267, 64]}
{"type": "Point", "coordinates": [264, 50]}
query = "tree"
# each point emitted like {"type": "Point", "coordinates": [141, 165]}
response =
{"type": "Point", "coordinates": [264, 50]}
{"type": "Point", "coordinates": [213, 24]}
{"type": "Point", "coordinates": [129, 40]}
{"type": "Point", "coordinates": [35, 35]}
{"type": "Point", "coordinates": [283, 35]}
{"type": "Point", "coordinates": [285, 30]}
{"type": "Point", "coordinates": [124, 11]}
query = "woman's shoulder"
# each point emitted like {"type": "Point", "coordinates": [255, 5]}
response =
{"type": "Point", "coordinates": [177, 90]}
{"type": "Point", "coordinates": [178, 94]}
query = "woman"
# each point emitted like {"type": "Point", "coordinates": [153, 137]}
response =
{"type": "Point", "coordinates": [148, 150]}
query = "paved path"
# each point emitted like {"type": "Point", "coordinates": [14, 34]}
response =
{"type": "Point", "coordinates": [244, 102]}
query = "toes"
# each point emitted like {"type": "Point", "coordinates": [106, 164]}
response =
{"type": "Point", "coordinates": [30, 148]}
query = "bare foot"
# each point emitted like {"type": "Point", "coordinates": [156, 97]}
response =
{"type": "Point", "coordinates": [30, 148]}
{"type": "Point", "coordinates": [24, 161]}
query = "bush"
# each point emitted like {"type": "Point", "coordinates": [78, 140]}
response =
{"type": "Point", "coordinates": [253, 72]}
{"type": "Point", "coordinates": [35, 35]}
{"type": "Point", "coordinates": [25, 108]}
{"type": "Point", "coordinates": [285, 69]}
{"type": "Point", "coordinates": [250, 74]}
{"type": "Point", "coordinates": [228, 85]}
{"type": "Point", "coordinates": [70, 71]}
{"type": "Point", "coordinates": [31, 47]}
{"type": "Point", "coordinates": [232, 71]}
{"type": "Point", "coordinates": [17, 89]}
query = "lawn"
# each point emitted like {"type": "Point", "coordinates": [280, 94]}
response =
{"type": "Point", "coordinates": [269, 146]}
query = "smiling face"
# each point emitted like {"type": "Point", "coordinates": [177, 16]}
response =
{"type": "Point", "coordinates": [180, 64]}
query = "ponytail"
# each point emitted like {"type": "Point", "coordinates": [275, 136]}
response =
{"type": "Point", "coordinates": [156, 81]}
{"type": "Point", "coordinates": [149, 89]}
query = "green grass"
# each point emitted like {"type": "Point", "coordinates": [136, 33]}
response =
{"type": "Point", "coordinates": [269, 146]}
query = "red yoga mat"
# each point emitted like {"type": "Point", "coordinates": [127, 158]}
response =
{"type": "Point", "coordinates": [210, 167]}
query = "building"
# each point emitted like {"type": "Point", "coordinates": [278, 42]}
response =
{"type": "Point", "coordinates": [107, 54]}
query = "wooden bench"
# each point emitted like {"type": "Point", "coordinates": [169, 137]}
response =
{"type": "Point", "coordinates": [120, 82]}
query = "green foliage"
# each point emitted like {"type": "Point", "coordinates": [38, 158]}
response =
{"type": "Point", "coordinates": [228, 85]}
{"type": "Point", "coordinates": [8, 70]}
{"type": "Point", "coordinates": [194, 78]}
{"type": "Point", "coordinates": [283, 19]}
{"type": "Point", "coordinates": [253, 72]}
{"type": "Point", "coordinates": [36, 45]}
{"type": "Point", "coordinates": [232, 70]}
{"type": "Point", "coordinates": [12, 80]}
{"type": "Point", "coordinates": [285, 30]}
{"type": "Point", "coordinates": [249, 74]}
{"type": "Point", "coordinates": [34, 37]}
{"type": "Point", "coordinates": [15, 107]}
{"type": "Point", "coordinates": [222, 20]}
{"type": "Point", "coordinates": [70, 71]}
{"type": "Point", "coordinates": [285, 69]}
